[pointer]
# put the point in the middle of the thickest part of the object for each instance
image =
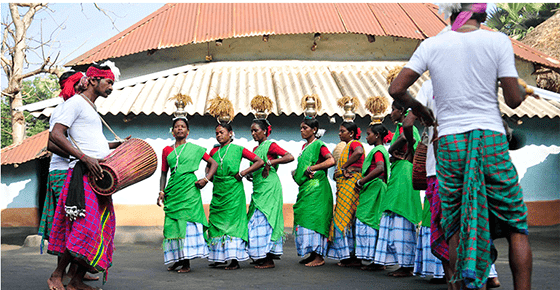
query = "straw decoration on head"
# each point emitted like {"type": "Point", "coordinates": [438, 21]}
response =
{"type": "Point", "coordinates": [377, 106]}
{"type": "Point", "coordinates": [310, 104]}
{"type": "Point", "coordinates": [222, 109]}
{"type": "Point", "coordinates": [349, 104]}
{"type": "Point", "coordinates": [261, 105]}
{"type": "Point", "coordinates": [393, 73]}
{"type": "Point", "coordinates": [180, 102]}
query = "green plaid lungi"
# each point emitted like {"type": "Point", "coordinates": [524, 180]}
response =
{"type": "Point", "coordinates": [54, 187]}
{"type": "Point", "coordinates": [481, 198]}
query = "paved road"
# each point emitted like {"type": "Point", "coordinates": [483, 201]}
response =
{"type": "Point", "coordinates": [140, 266]}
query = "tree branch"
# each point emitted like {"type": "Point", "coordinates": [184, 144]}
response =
{"type": "Point", "coordinates": [104, 12]}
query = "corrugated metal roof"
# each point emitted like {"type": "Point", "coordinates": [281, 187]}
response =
{"type": "Point", "coordinates": [30, 148]}
{"type": "Point", "coordinates": [285, 82]}
{"type": "Point", "coordinates": [178, 24]}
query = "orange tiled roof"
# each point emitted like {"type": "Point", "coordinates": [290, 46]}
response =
{"type": "Point", "coordinates": [30, 148]}
{"type": "Point", "coordinates": [178, 24]}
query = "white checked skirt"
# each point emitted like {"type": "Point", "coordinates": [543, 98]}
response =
{"type": "Point", "coordinates": [342, 245]}
{"type": "Point", "coordinates": [396, 243]}
{"type": "Point", "coordinates": [227, 248]}
{"type": "Point", "coordinates": [366, 240]}
{"type": "Point", "coordinates": [426, 264]}
{"type": "Point", "coordinates": [308, 241]}
{"type": "Point", "coordinates": [260, 233]}
{"type": "Point", "coordinates": [192, 246]}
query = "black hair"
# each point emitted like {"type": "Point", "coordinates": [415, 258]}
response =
{"type": "Point", "coordinates": [264, 125]}
{"type": "Point", "coordinates": [352, 127]}
{"type": "Point", "coordinates": [66, 75]}
{"type": "Point", "coordinates": [181, 119]}
{"type": "Point", "coordinates": [225, 125]}
{"type": "Point", "coordinates": [311, 122]}
{"type": "Point", "coordinates": [101, 67]}
{"type": "Point", "coordinates": [379, 129]}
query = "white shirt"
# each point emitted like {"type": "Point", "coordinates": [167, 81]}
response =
{"type": "Point", "coordinates": [464, 68]}
{"type": "Point", "coordinates": [85, 127]}
{"type": "Point", "coordinates": [57, 162]}
{"type": "Point", "coordinates": [426, 97]}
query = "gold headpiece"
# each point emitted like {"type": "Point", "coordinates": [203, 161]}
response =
{"type": "Point", "coordinates": [221, 109]}
{"type": "Point", "coordinates": [349, 104]}
{"type": "Point", "coordinates": [261, 105]}
{"type": "Point", "coordinates": [377, 106]}
{"type": "Point", "coordinates": [310, 104]}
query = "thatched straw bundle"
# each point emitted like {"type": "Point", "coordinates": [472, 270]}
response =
{"type": "Point", "coordinates": [393, 73]}
{"type": "Point", "coordinates": [377, 105]}
{"type": "Point", "coordinates": [261, 103]}
{"type": "Point", "coordinates": [342, 101]}
{"type": "Point", "coordinates": [220, 107]}
{"type": "Point", "coordinates": [184, 98]}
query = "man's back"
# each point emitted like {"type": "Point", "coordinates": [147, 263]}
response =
{"type": "Point", "coordinates": [465, 68]}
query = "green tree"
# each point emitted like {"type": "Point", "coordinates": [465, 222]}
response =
{"type": "Point", "coordinates": [517, 19]}
{"type": "Point", "coordinates": [38, 89]}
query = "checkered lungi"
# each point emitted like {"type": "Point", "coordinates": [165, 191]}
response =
{"type": "Point", "coordinates": [260, 233]}
{"type": "Point", "coordinates": [55, 183]}
{"type": "Point", "coordinates": [308, 241]}
{"type": "Point", "coordinates": [88, 238]}
{"type": "Point", "coordinates": [481, 199]}
{"type": "Point", "coordinates": [440, 248]}
{"type": "Point", "coordinates": [192, 246]}
{"type": "Point", "coordinates": [342, 246]}
{"type": "Point", "coordinates": [366, 240]}
{"type": "Point", "coordinates": [426, 264]}
{"type": "Point", "coordinates": [227, 248]}
{"type": "Point", "coordinates": [396, 243]}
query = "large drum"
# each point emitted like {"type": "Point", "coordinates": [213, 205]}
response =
{"type": "Point", "coordinates": [132, 162]}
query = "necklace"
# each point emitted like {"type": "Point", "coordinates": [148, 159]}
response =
{"type": "Point", "coordinates": [307, 146]}
{"type": "Point", "coordinates": [90, 102]}
{"type": "Point", "coordinates": [222, 157]}
{"type": "Point", "coordinates": [177, 160]}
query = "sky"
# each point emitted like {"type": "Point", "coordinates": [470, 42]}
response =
{"type": "Point", "coordinates": [75, 28]}
{"type": "Point", "coordinates": [78, 27]}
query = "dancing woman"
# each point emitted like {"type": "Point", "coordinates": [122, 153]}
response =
{"type": "Point", "coordinates": [314, 205]}
{"type": "Point", "coordinates": [348, 172]}
{"type": "Point", "coordinates": [228, 231]}
{"type": "Point", "coordinates": [185, 222]}
{"type": "Point", "coordinates": [266, 221]}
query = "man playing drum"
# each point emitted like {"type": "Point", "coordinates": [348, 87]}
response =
{"type": "Point", "coordinates": [479, 186]}
{"type": "Point", "coordinates": [84, 223]}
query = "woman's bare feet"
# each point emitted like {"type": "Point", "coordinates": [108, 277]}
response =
{"type": "Point", "coordinates": [351, 262]}
{"type": "Point", "coordinates": [265, 264]}
{"type": "Point", "coordinates": [318, 261]}
{"type": "Point", "coordinates": [401, 272]}
{"type": "Point", "coordinates": [493, 282]}
{"type": "Point", "coordinates": [373, 267]}
{"type": "Point", "coordinates": [55, 282]}
{"type": "Point", "coordinates": [308, 259]}
{"type": "Point", "coordinates": [234, 265]}
{"type": "Point", "coordinates": [174, 266]}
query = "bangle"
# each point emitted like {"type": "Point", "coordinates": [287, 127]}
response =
{"type": "Point", "coordinates": [358, 183]}
{"type": "Point", "coordinates": [81, 157]}
{"type": "Point", "coordinates": [162, 192]}
{"type": "Point", "coordinates": [268, 162]}
{"type": "Point", "coordinates": [239, 173]}
{"type": "Point", "coordinates": [206, 179]}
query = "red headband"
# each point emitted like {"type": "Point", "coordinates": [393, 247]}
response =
{"type": "Point", "coordinates": [93, 72]}
{"type": "Point", "coordinates": [67, 85]}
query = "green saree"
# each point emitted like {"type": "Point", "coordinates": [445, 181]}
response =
{"type": "Point", "coordinates": [314, 205]}
{"type": "Point", "coordinates": [183, 202]}
{"type": "Point", "coordinates": [267, 194]}
{"type": "Point", "coordinates": [228, 209]}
